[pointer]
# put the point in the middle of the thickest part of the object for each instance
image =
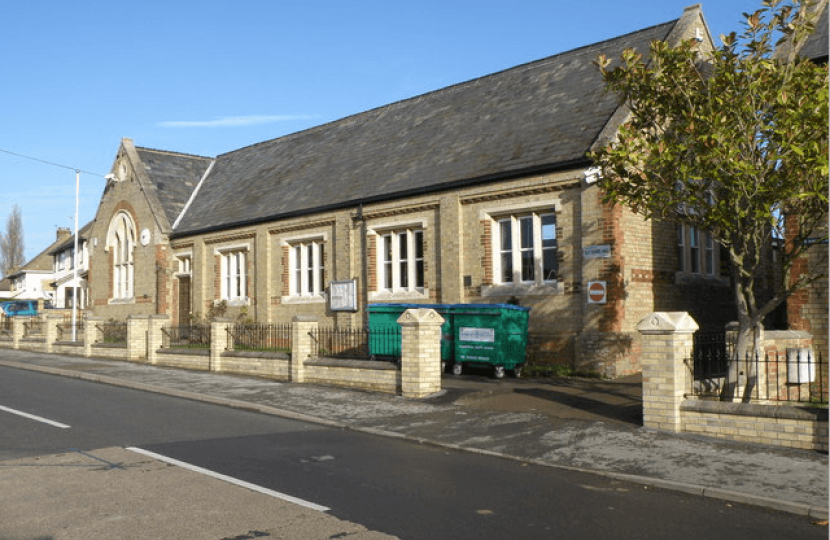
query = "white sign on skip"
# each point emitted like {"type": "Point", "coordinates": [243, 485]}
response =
{"type": "Point", "coordinates": [477, 334]}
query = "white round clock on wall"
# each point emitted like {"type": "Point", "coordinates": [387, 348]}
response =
{"type": "Point", "coordinates": [145, 237]}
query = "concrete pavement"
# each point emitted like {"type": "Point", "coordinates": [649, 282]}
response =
{"type": "Point", "coordinates": [591, 426]}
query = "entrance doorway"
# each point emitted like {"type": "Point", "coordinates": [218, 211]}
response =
{"type": "Point", "coordinates": [184, 300]}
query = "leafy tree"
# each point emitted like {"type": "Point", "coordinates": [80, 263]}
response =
{"type": "Point", "coordinates": [733, 142]}
{"type": "Point", "coordinates": [11, 243]}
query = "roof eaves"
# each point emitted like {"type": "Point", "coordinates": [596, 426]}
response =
{"type": "Point", "coordinates": [467, 182]}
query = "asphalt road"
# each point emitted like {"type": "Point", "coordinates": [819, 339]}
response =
{"type": "Point", "coordinates": [382, 485]}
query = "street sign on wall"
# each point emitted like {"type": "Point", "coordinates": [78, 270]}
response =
{"type": "Point", "coordinates": [597, 292]}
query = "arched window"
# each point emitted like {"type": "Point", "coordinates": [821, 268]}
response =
{"type": "Point", "coordinates": [121, 242]}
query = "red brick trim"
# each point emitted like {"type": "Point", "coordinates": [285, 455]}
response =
{"type": "Point", "coordinates": [487, 247]}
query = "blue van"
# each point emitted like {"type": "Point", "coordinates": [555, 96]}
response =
{"type": "Point", "coordinates": [19, 308]}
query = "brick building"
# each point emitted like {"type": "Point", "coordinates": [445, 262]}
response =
{"type": "Point", "coordinates": [476, 193]}
{"type": "Point", "coordinates": [808, 308]}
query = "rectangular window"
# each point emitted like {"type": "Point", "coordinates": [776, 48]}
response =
{"type": "Point", "coordinates": [418, 237]}
{"type": "Point", "coordinates": [709, 256]}
{"type": "Point", "coordinates": [185, 264]}
{"type": "Point", "coordinates": [401, 265]}
{"type": "Point", "coordinates": [403, 260]}
{"type": "Point", "coordinates": [234, 275]}
{"type": "Point", "coordinates": [696, 252]}
{"type": "Point", "coordinates": [387, 261]}
{"type": "Point", "coordinates": [527, 249]}
{"type": "Point", "coordinates": [308, 276]}
{"type": "Point", "coordinates": [550, 262]}
{"type": "Point", "coordinates": [506, 250]}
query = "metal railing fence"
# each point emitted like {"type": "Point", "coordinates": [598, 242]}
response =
{"type": "Point", "coordinates": [113, 332]}
{"type": "Point", "coordinates": [6, 326]}
{"type": "Point", "coordinates": [65, 332]}
{"type": "Point", "coordinates": [795, 376]}
{"type": "Point", "coordinates": [261, 337]}
{"type": "Point", "coordinates": [33, 327]}
{"type": "Point", "coordinates": [192, 336]}
{"type": "Point", "coordinates": [381, 343]}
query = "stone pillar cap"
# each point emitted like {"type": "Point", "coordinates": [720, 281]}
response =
{"type": "Point", "coordinates": [667, 321]}
{"type": "Point", "coordinates": [420, 316]}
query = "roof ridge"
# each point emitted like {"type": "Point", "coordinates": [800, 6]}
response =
{"type": "Point", "coordinates": [453, 87]}
{"type": "Point", "coordinates": [171, 152]}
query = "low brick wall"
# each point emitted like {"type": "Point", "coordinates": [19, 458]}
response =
{"type": "Point", "coordinates": [111, 351]}
{"type": "Point", "coordinates": [667, 348]}
{"type": "Point", "coordinates": [184, 359]}
{"type": "Point", "coordinates": [363, 374]}
{"type": "Point", "coordinates": [418, 375]}
{"type": "Point", "coordinates": [71, 348]}
{"type": "Point", "coordinates": [259, 364]}
{"type": "Point", "coordinates": [29, 344]}
{"type": "Point", "coordinates": [790, 427]}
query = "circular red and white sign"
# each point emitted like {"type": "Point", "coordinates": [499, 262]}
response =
{"type": "Point", "coordinates": [596, 292]}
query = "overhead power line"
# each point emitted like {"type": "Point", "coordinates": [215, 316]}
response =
{"type": "Point", "coordinates": [50, 163]}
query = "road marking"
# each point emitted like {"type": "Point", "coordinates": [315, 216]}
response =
{"type": "Point", "coordinates": [33, 417]}
{"type": "Point", "coordinates": [229, 479]}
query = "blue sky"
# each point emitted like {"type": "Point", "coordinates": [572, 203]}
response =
{"type": "Point", "coordinates": [209, 77]}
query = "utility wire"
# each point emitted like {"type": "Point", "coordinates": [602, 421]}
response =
{"type": "Point", "coordinates": [51, 163]}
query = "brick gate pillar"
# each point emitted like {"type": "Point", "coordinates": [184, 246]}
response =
{"type": "Point", "coordinates": [91, 333]}
{"type": "Point", "coordinates": [667, 344]}
{"type": "Point", "coordinates": [220, 341]}
{"type": "Point", "coordinates": [136, 337]}
{"type": "Point", "coordinates": [155, 335]}
{"type": "Point", "coordinates": [302, 345]}
{"type": "Point", "coordinates": [50, 332]}
{"type": "Point", "coordinates": [420, 352]}
{"type": "Point", "coordinates": [18, 330]}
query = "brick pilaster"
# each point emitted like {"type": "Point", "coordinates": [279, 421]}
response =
{"type": "Point", "coordinates": [155, 335]}
{"type": "Point", "coordinates": [50, 332]}
{"type": "Point", "coordinates": [91, 333]}
{"type": "Point", "coordinates": [420, 352]}
{"type": "Point", "coordinates": [136, 337]}
{"type": "Point", "coordinates": [667, 344]}
{"type": "Point", "coordinates": [220, 341]}
{"type": "Point", "coordinates": [302, 346]}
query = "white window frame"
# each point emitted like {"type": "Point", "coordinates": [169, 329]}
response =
{"type": "Point", "coordinates": [233, 274]}
{"type": "Point", "coordinates": [185, 263]}
{"type": "Point", "coordinates": [412, 263]}
{"type": "Point", "coordinates": [517, 250]}
{"type": "Point", "coordinates": [306, 268]}
{"type": "Point", "coordinates": [122, 245]}
{"type": "Point", "coordinates": [398, 268]}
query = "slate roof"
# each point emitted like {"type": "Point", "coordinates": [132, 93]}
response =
{"type": "Point", "coordinates": [173, 177]}
{"type": "Point", "coordinates": [815, 48]}
{"type": "Point", "coordinates": [534, 117]}
{"type": "Point", "coordinates": [69, 243]}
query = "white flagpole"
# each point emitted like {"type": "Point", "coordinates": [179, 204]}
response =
{"type": "Point", "coordinates": [75, 258]}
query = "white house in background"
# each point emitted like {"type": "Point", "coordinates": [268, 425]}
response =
{"type": "Point", "coordinates": [66, 283]}
{"type": "Point", "coordinates": [33, 281]}
{"type": "Point", "coordinates": [31, 285]}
